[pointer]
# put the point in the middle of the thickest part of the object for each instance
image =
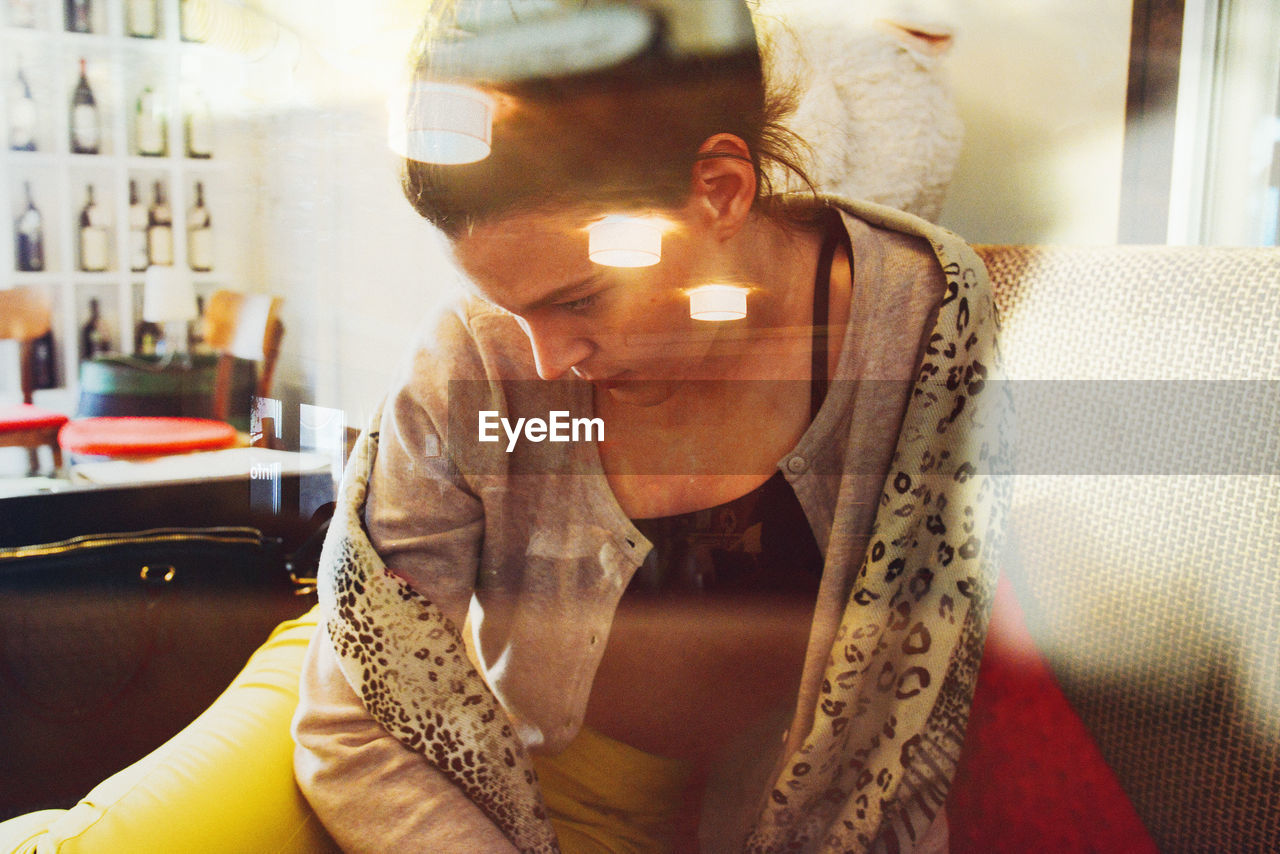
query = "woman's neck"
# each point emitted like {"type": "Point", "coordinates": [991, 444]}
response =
{"type": "Point", "coordinates": [778, 262]}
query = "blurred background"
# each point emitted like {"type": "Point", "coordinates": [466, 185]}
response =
{"type": "Point", "coordinates": [242, 148]}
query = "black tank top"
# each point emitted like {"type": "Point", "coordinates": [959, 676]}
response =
{"type": "Point", "coordinates": [760, 542]}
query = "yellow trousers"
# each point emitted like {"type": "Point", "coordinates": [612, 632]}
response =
{"type": "Point", "coordinates": [606, 796]}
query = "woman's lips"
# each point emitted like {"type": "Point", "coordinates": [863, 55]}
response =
{"type": "Point", "coordinates": [604, 382]}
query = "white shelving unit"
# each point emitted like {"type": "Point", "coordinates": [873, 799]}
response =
{"type": "Point", "coordinates": [119, 67]}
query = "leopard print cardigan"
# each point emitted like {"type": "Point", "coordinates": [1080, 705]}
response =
{"type": "Point", "coordinates": [872, 768]}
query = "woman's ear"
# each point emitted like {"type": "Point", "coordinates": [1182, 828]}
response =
{"type": "Point", "coordinates": [724, 184]}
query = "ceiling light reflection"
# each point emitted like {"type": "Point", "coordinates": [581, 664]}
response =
{"type": "Point", "coordinates": [625, 241]}
{"type": "Point", "coordinates": [718, 302]}
{"type": "Point", "coordinates": [441, 123]}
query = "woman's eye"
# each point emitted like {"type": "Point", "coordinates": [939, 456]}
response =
{"type": "Point", "coordinates": [579, 305]}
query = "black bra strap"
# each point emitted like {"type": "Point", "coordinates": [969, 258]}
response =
{"type": "Point", "coordinates": [836, 236]}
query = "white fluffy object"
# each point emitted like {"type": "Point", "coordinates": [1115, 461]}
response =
{"type": "Point", "coordinates": [874, 105]}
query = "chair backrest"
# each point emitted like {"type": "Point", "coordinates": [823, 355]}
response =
{"type": "Point", "coordinates": [24, 317]}
{"type": "Point", "coordinates": [244, 326]}
{"type": "Point", "coordinates": [1145, 523]}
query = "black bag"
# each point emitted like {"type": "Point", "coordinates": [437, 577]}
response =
{"type": "Point", "coordinates": [112, 643]}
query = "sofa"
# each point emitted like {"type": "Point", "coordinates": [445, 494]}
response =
{"type": "Point", "coordinates": [223, 784]}
{"type": "Point", "coordinates": [1129, 698]}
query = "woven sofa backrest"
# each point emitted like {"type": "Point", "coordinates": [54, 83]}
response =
{"type": "Point", "coordinates": [1145, 532]}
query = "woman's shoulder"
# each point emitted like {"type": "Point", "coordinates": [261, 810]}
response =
{"type": "Point", "coordinates": [467, 338]}
{"type": "Point", "coordinates": [916, 242]}
{"type": "Point", "coordinates": [930, 259]}
{"type": "Point", "coordinates": [945, 244]}
{"type": "Point", "coordinates": [463, 348]}
{"type": "Point", "coordinates": [904, 268]}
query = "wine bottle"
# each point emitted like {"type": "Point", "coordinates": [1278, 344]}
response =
{"type": "Point", "coordinates": [93, 338]}
{"type": "Point", "coordinates": [140, 19]}
{"type": "Point", "coordinates": [84, 116]}
{"type": "Point", "coordinates": [199, 128]}
{"type": "Point", "coordinates": [145, 337]}
{"type": "Point", "coordinates": [79, 16]}
{"type": "Point", "coordinates": [44, 362]}
{"type": "Point", "coordinates": [138, 258]}
{"type": "Point", "coordinates": [199, 234]}
{"type": "Point", "coordinates": [29, 232]}
{"type": "Point", "coordinates": [150, 127]}
{"type": "Point", "coordinates": [195, 330]}
{"type": "Point", "coordinates": [159, 230]}
{"type": "Point", "coordinates": [93, 236]}
{"type": "Point", "coordinates": [22, 114]}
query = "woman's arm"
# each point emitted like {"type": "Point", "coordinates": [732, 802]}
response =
{"type": "Point", "coordinates": [371, 792]}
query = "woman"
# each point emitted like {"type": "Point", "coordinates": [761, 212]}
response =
{"type": "Point", "coordinates": [748, 616]}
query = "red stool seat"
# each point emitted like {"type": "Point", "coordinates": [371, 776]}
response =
{"type": "Point", "coordinates": [24, 416]}
{"type": "Point", "coordinates": [127, 436]}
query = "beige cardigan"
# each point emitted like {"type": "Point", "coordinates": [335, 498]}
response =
{"type": "Point", "coordinates": [908, 533]}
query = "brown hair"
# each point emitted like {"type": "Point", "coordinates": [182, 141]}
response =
{"type": "Point", "coordinates": [624, 136]}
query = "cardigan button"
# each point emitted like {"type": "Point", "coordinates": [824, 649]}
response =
{"type": "Point", "coordinates": [797, 464]}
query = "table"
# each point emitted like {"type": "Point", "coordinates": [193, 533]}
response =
{"type": "Point", "coordinates": [274, 491]}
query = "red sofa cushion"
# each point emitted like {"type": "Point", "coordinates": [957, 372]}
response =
{"type": "Point", "coordinates": [1031, 777]}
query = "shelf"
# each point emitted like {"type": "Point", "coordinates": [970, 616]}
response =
{"type": "Point", "coordinates": [119, 67]}
{"type": "Point", "coordinates": [41, 278]}
{"type": "Point", "coordinates": [105, 277]}
{"type": "Point", "coordinates": [34, 159]}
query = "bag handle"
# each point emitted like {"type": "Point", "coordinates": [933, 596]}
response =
{"type": "Point", "coordinates": [304, 564]}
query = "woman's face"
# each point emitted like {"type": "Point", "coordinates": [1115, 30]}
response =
{"type": "Point", "coordinates": [627, 330]}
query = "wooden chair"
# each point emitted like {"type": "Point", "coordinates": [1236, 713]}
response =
{"type": "Point", "coordinates": [235, 326]}
{"type": "Point", "coordinates": [245, 326]}
{"type": "Point", "coordinates": [24, 317]}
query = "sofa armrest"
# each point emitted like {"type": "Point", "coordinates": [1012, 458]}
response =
{"type": "Point", "coordinates": [223, 784]}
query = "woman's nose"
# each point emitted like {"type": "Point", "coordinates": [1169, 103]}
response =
{"type": "Point", "coordinates": [555, 349]}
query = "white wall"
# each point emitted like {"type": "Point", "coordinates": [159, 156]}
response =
{"type": "Point", "coordinates": [1040, 85]}
{"type": "Point", "coordinates": [358, 267]}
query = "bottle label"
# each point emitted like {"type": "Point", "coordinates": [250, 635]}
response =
{"type": "Point", "coordinates": [142, 18]}
{"type": "Point", "coordinates": [160, 245]}
{"type": "Point", "coordinates": [30, 252]}
{"type": "Point", "coordinates": [93, 248]}
{"type": "Point", "coordinates": [29, 224]}
{"type": "Point", "coordinates": [194, 20]}
{"type": "Point", "coordinates": [199, 136]}
{"type": "Point", "coordinates": [84, 127]}
{"type": "Point", "coordinates": [80, 16]}
{"type": "Point", "coordinates": [22, 130]}
{"type": "Point", "coordinates": [138, 249]}
{"type": "Point", "coordinates": [200, 249]}
{"type": "Point", "coordinates": [150, 135]}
